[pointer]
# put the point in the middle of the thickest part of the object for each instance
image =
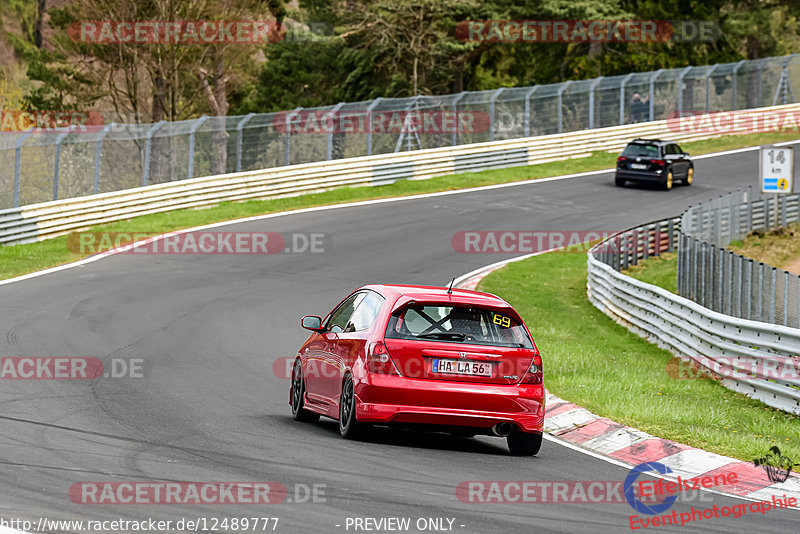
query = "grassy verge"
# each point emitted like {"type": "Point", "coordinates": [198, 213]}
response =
{"type": "Point", "coordinates": [779, 248]}
{"type": "Point", "coordinates": [596, 363]}
{"type": "Point", "coordinates": [21, 259]}
{"type": "Point", "coordinates": [661, 271]}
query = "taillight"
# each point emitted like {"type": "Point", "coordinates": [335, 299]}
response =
{"type": "Point", "coordinates": [379, 360]}
{"type": "Point", "coordinates": [659, 162]}
{"type": "Point", "coordinates": [534, 372]}
{"type": "Point", "coordinates": [622, 158]}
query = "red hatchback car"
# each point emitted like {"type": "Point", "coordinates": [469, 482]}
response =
{"type": "Point", "coordinates": [456, 361]}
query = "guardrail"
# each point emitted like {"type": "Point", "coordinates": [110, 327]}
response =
{"type": "Point", "coordinates": [50, 219]}
{"type": "Point", "coordinates": [728, 282]}
{"type": "Point", "coordinates": [42, 164]}
{"type": "Point", "coordinates": [728, 347]}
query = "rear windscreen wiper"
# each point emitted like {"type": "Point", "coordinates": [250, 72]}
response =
{"type": "Point", "coordinates": [454, 336]}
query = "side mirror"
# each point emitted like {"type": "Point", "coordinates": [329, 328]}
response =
{"type": "Point", "coordinates": [312, 322]}
{"type": "Point", "coordinates": [686, 154]}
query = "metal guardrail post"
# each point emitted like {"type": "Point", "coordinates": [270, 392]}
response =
{"type": "Point", "coordinates": [454, 133]}
{"type": "Point", "coordinates": [335, 109]}
{"type": "Point", "coordinates": [18, 163]}
{"type": "Point", "coordinates": [527, 120]}
{"type": "Point", "coordinates": [622, 85]}
{"type": "Point", "coordinates": [197, 124]}
{"type": "Point", "coordinates": [239, 132]}
{"type": "Point", "coordinates": [709, 72]}
{"type": "Point", "coordinates": [287, 135]}
{"type": "Point", "coordinates": [148, 150]}
{"type": "Point", "coordinates": [560, 104]}
{"type": "Point", "coordinates": [57, 160]}
{"type": "Point", "coordinates": [735, 82]}
{"type": "Point", "coordinates": [785, 298]}
{"type": "Point", "coordinates": [652, 106]}
{"type": "Point", "coordinates": [492, 100]}
{"type": "Point", "coordinates": [98, 151]}
{"type": "Point", "coordinates": [774, 294]}
{"type": "Point", "coordinates": [369, 123]}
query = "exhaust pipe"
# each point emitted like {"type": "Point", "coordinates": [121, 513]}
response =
{"type": "Point", "coordinates": [503, 429]}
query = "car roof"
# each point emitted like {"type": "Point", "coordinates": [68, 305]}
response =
{"type": "Point", "coordinates": [437, 293]}
{"type": "Point", "coordinates": [650, 142]}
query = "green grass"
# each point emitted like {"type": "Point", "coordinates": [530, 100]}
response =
{"type": "Point", "coordinates": [21, 259]}
{"type": "Point", "coordinates": [596, 363]}
{"type": "Point", "coordinates": [660, 271]}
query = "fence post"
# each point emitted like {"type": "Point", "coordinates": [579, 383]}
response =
{"type": "Point", "coordinates": [454, 134]}
{"type": "Point", "coordinates": [773, 305]}
{"type": "Point", "coordinates": [560, 104]}
{"type": "Point", "coordinates": [683, 74]}
{"type": "Point", "coordinates": [98, 151]}
{"type": "Point", "coordinates": [57, 160]}
{"type": "Point", "coordinates": [655, 75]}
{"type": "Point", "coordinates": [492, 100]}
{"type": "Point", "coordinates": [335, 109]}
{"type": "Point", "coordinates": [239, 133]}
{"type": "Point", "coordinates": [709, 72]}
{"type": "Point", "coordinates": [735, 78]}
{"type": "Point", "coordinates": [18, 163]}
{"type": "Point", "coordinates": [591, 100]}
{"type": "Point", "coordinates": [622, 85]}
{"type": "Point", "coordinates": [197, 124]}
{"type": "Point", "coordinates": [147, 150]}
{"type": "Point", "coordinates": [369, 123]}
{"type": "Point", "coordinates": [749, 290]}
{"type": "Point", "coordinates": [760, 292]}
{"type": "Point", "coordinates": [739, 285]}
{"type": "Point", "coordinates": [287, 134]}
{"type": "Point", "coordinates": [785, 298]}
{"type": "Point", "coordinates": [527, 121]}
{"type": "Point", "coordinates": [703, 251]}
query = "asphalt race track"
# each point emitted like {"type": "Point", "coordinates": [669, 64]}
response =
{"type": "Point", "coordinates": [210, 407]}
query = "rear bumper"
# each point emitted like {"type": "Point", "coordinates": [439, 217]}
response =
{"type": "Point", "coordinates": [397, 399]}
{"type": "Point", "coordinates": [640, 176]}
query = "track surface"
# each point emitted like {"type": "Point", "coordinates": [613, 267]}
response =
{"type": "Point", "coordinates": [211, 409]}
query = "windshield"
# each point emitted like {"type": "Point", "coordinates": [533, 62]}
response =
{"type": "Point", "coordinates": [641, 151]}
{"type": "Point", "coordinates": [457, 324]}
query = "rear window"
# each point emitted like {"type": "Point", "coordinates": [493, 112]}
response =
{"type": "Point", "coordinates": [458, 324]}
{"type": "Point", "coordinates": [641, 151]}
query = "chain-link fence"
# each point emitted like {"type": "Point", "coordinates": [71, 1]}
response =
{"type": "Point", "coordinates": [730, 283]}
{"type": "Point", "coordinates": [36, 166]}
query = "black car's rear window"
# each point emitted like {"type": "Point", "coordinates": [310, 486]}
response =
{"type": "Point", "coordinates": [458, 324]}
{"type": "Point", "coordinates": [641, 151]}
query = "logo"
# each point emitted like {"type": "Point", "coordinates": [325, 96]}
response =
{"type": "Point", "coordinates": [462, 354]}
{"type": "Point", "coordinates": [629, 486]}
{"type": "Point", "coordinates": [776, 465]}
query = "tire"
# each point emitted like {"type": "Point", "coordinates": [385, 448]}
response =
{"type": "Point", "coordinates": [349, 428]}
{"type": "Point", "coordinates": [689, 177]}
{"type": "Point", "coordinates": [619, 182]}
{"type": "Point", "coordinates": [298, 392]}
{"type": "Point", "coordinates": [524, 443]}
{"type": "Point", "coordinates": [669, 180]}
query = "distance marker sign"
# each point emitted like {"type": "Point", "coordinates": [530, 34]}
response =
{"type": "Point", "coordinates": [777, 169]}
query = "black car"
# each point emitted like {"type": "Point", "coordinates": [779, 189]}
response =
{"type": "Point", "coordinates": [655, 161]}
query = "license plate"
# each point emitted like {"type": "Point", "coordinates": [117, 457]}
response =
{"type": "Point", "coordinates": [462, 367]}
{"type": "Point", "coordinates": [638, 166]}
